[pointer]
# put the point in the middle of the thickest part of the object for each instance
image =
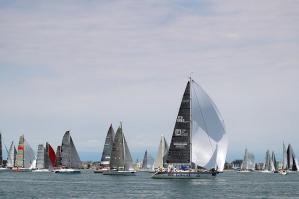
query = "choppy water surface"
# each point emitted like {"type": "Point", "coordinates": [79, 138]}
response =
{"type": "Point", "coordinates": [90, 185]}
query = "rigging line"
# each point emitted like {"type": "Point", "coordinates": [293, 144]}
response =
{"type": "Point", "coordinates": [203, 120]}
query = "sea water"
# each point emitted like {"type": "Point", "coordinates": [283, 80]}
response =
{"type": "Point", "coordinates": [91, 185]}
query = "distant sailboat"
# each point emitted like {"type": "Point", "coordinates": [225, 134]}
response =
{"type": "Point", "coordinates": [70, 161]}
{"type": "Point", "coordinates": [2, 168]}
{"type": "Point", "coordinates": [121, 162]}
{"type": "Point", "coordinates": [292, 163]}
{"type": "Point", "coordinates": [248, 163]}
{"type": "Point", "coordinates": [199, 140]}
{"type": "Point", "coordinates": [106, 154]}
{"type": "Point", "coordinates": [147, 162]}
{"type": "Point", "coordinates": [46, 158]}
{"type": "Point", "coordinates": [25, 156]}
{"type": "Point", "coordinates": [11, 158]}
{"type": "Point", "coordinates": [268, 165]}
{"type": "Point", "coordinates": [160, 161]}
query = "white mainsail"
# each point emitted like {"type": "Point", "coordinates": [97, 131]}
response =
{"type": "Point", "coordinates": [11, 156]}
{"type": "Point", "coordinates": [208, 132]}
{"type": "Point", "coordinates": [161, 154]}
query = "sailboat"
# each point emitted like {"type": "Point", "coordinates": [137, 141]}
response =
{"type": "Point", "coordinates": [25, 156]}
{"type": "Point", "coordinates": [46, 158]}
{"type": "Point", "coordinates": [160, 161]}
{"type": "Point", "coordinates": [199, 143]}
{"type": "Point", "coordinates": [268, 166]}
{"type": "Point", "coordinates": [70, 161]}
{"type": "Point", "coordinates": [147, 162]}
{"type": "Point", "coordinates": [11, 158]}
{"type": "Point", "coordinates": [292, 163]}
{"type": "Point", "coordinates": [2, 168]}
{"type": "Point", "coordinates": [121, 162]}
{"type": "Point", "coordinates": [106, 154]}
{"type": "Point", "coordinates": [248, 164]}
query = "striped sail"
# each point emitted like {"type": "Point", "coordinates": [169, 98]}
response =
{"type": "Point", "coordinates": [199, 135]}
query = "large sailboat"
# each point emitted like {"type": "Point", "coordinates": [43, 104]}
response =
{"type": "Point", "coordinates": [199, 143]}
{"type": "Point", "coordinates": [25, 156]}
{"type": "Point", "coordinates": [106, 154]}
{"type": "Point", "coordinates": [70, 160]}
{"type": "Point", "coordinates": [160, 161]}
{"type": "Point", "coordinates": [248, 164]}
{"type": "Point", "coordinates": [121, 162]}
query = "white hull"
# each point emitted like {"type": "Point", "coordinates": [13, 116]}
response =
{"type": "Point", "coordinates": [282, 172]}
{"type": "Point", "coordinates": [41, 171]}
{"type": "Point", "coordinates": [67, 171]}
{"type": "Point", "coordinates": [21, 170]}
{"type": "Point", "coordinates": [244, 171]}
{"type": "Point", "coordinates": [184, 175]}
{"type": "Point", "coordinates": [119, 173]}
{"type": "Point", "coordinates": [266, 171]}
{"type": "Point", "coordinates": [100, 170]}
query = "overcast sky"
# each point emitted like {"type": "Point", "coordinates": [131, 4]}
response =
{"type": "Point", "coordinates": [81, 65]}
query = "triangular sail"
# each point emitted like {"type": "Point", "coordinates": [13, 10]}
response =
{"type": "Point", "coordinates": [69, 154]}
{"type": "Point", "coordinates": [180, 146]}
{"type": "Point", "coordinates": [290, 157]}
{"type": "Point", "coordinates": [148, 161]}
{"type": "Point", "coordinates": [105, 160]}
{"type": "Point", "coordinates": [121, 158]}
{"type": "Point", "coordinates": [51, 155]}
{"type": "Point", "coordinates": [208, 131]}
{"type": "Point", "coordinates": [161, 154]}
{"type": "Point", "coordinates": [128, 162]}
{"type": "Point", "coordinates": [25, 154]}
{"type": "Point", "coordinates": [29, 155]}
{"type": "Point", "coordinates": [117, 153]}
{"type": "Point", "coordinates": [11, 156]}
{"type": "Point", "coordinates": [284, 158]}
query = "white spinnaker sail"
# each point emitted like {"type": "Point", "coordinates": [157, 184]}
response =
{"type": "Point", "coordinates": [208, 131]}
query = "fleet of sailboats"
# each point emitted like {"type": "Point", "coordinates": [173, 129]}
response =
{"type": "Point", "coordinates": [197, 149]}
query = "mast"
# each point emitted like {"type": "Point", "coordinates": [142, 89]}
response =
{"type": "Point", "coordinates": [190, 141]}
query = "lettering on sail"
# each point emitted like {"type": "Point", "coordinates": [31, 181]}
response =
{"type": "Point", "coordinates": [180, 119]}
{"type": "Point", "coordinates": [180, 132]}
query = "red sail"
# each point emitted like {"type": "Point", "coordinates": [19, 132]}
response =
{"type": "Point", "coordinates": [52, 155]}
